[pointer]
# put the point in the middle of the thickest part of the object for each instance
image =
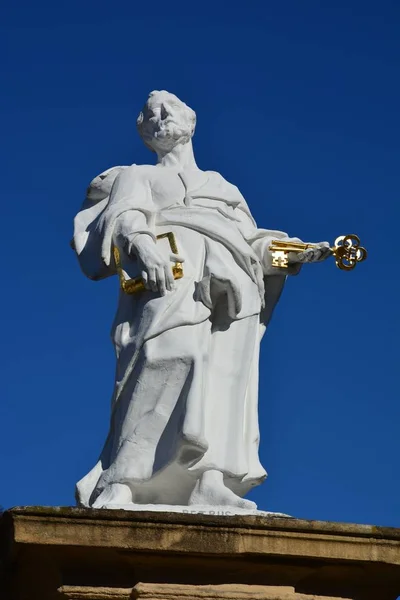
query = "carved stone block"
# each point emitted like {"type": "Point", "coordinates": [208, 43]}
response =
{"type": "Point", "coordinates": [88, 554]}
{"type": "Point", "coordinates": [162, 591]}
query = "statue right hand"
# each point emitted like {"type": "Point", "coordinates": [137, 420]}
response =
{"type": "Point", "coordinates": [156, 269]}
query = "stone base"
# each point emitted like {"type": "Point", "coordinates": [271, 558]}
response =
{"type": "Point", "coordinates": [76, 554]}
{"type": "Point", "coordinates": [168, 591]}
{"type": "Point", "coordinates": [198, 509]}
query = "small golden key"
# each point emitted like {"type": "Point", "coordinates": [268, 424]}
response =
{"type": "Point", "coordinates": [347, 251]}
{"type": "Point", "coordinates": [135, 285]}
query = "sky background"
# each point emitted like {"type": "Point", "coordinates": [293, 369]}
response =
{"type": "Point", "coordinates": [298, 105]}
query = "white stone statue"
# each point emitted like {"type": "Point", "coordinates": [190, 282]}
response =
{"type": "Point", "coordinates": [184, 424]}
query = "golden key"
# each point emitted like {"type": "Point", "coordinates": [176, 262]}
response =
{"type": "Point", "coordinates": [132, 286]}
{"type": "Point", "coordinates": [347, 251]}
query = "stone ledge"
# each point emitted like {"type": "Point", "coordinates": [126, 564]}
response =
{"type": "Point", "coordinates": [143, 591]}
{"type": "Point", "coordinates": [248, 521]}
{"type": "Point", "coordinates": [220, 592]}
{"type": "Point", "coordinates": [181, 533]}
{"type": "Point", "coordinates": [100, 554]}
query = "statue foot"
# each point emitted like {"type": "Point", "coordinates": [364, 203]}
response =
{"type": "Point", "coordinates": [210, 490]}
{"type": "Point", "coordinates": [116, 493]}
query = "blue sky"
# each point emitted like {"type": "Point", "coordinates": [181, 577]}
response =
{"type": "Point", "coordinates": [298, 105]}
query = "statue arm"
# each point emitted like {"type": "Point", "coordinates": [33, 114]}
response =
{"type": "Point", "coordinates": [129, 223]}
{"type": "Point", "coordinates": [117, 219]}
{"type": "Point", "coordinates": [260, 240]}
{"type": "Point", "coordinates": [129, 213]}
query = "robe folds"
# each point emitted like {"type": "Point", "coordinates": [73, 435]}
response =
{"type": "Point", "coordinates": [186, 388]}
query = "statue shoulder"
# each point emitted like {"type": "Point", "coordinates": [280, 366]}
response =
{"type": "Point", "coordinates": [232, 190]}
{"type": "Point", "coordinates": [100, 187]}
{"type": "Point", "coordinates": [227, 184]}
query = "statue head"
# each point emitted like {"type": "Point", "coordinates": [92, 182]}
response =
{"type": "Point", "coordinates": [165, 122]}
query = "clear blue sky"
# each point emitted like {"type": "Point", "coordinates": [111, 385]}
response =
{"type": "Point", "coordinates": [298, 105]}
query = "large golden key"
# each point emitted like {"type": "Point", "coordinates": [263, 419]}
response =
{"type": "Point", "coordinates": [347, 251]}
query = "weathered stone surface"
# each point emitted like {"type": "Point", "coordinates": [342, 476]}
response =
{"type": "Point", "coordinates": [51, 553]}
{"type": "Point", "coordinates": [145, 591]}
{"type": "Point", "coordinates": [167, 591]}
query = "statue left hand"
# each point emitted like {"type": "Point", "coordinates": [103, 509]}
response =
{"type": "Point", "coordinates": [320, 251]}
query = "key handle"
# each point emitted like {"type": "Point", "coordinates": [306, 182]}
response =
{"type": "Point", "coordinates": [348, 252]}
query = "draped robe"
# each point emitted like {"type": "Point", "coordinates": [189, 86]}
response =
{"type": "Point", "coordinates": [186, 388]}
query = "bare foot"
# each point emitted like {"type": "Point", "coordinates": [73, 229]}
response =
{"type": "Point", "coordinates": [210, 490]}
{"type": "Point", "coordinates": [116, 493]}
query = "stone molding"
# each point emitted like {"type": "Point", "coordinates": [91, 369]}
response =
{"type": "Point", "coordinates": [177, 533]}
{"type": "Point", "coordinates": [87, 554]}
{"type": "Point", "coordinates": [163, 591]}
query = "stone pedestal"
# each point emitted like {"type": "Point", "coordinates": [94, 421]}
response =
{"type": "Point", "coordinates": [76, 554]}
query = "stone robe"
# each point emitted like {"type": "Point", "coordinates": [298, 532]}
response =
{"type": "Point", "coordinates": [186, 388]}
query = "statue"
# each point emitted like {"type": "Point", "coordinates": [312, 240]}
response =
{"type": "Point", "coordinates": [199, 283]}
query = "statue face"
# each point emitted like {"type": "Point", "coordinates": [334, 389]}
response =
{"type": "Point", "coordinates": [165, 122]}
